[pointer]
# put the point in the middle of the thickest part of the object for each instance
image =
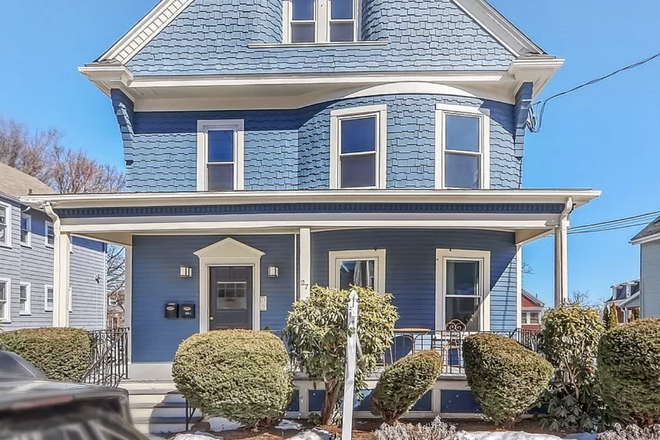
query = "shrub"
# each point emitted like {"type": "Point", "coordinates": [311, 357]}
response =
{"type": "Point", "coordinates": [403, 383]}
{"type": "Point", "coordinates": [612, 320]}
{"type": "Point", "coordinates": [437, 430]}
{"type": "Point", "coordinates": [238, 374]}
{"type": "Point", "coordinates": [629, 370]}
{"type": "Point", "coordinates": [60, 353]}
{"type": "Point", "coordinates": [316, 332]}
{"type": "Point", "coordinates": [505, 377]}
{"type": "Point", "coordinates": [631, 432]}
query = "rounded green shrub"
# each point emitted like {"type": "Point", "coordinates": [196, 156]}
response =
{"type": "Point", "coordinates": [629, 370]}
{"type": "Point", "coordinates": [505, 377]}
{"type": "Point", "coordinates": [238, 374]}
{"type": "Point", "coordinates": [403, 383]}
{"type": "Point", "coordinates": [60, 353]}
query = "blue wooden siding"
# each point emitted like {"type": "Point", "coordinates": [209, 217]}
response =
{"type": "Point", "coordinates": [289, 149]}
{"type": "Point", "coordinates": [650, 279]}
{"type": "Point", "coordinates": [211, 37]}
{"type": "Point", "coordinates": [411, 267]}
{"type": "Point", "coordinates": [156, 281]}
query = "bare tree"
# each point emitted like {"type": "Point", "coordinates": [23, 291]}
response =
{"type": "Point", "coordinates": [73, 172]}
{"type": "Point", "coordinates": [527, 269]}
{"type": "Point", "coordinates": [116, 269]}
{"type": "Point", "coordinates": [579, 298]}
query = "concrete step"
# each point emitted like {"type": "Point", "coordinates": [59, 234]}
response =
{"type": "Point", "coordinates": [161, 410]}
{"type": "Point", "coordinates": [156, 425]}
{"type": "Point", "coordinates": [155, 399]}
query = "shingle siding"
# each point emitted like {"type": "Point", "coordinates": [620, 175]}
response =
{"type": "Point", "coordinates": [650, 279]}
{"type": "Point", "coordinates": [211, 37]}
{"type": "Point", "coordinates": [289, 149]}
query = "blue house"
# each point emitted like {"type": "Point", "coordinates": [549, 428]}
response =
{"type": "Point", "coordinates": [27, 241]}
{"type": "Point", "coordinates": [272, 145]}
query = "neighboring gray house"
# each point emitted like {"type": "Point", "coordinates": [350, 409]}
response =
{"type": "Point", "coordinates": [26, 263]}
{"type": "Point", "coordinates": [649, 268]}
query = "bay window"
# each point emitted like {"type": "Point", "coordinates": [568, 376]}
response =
{"type": "Point", "coordinates": [362, 268]}
{"type": "Point", "coordinates": [220, 146]}
{"type": "Point", "coordinates": [320, 21]}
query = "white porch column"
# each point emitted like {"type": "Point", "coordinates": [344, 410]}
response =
{"type": "Point", "coordinates": [61, 275]}
{"type": "Point", "coordinates": [561, 262]}
{"type": "Point", "coordinates": [305, 262]}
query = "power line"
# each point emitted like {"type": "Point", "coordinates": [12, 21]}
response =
{"type": "Point", "coordinates": [620, 220]}
{"type": "Point", "coordinates": [616, 224]}
{"type": "Point", "coordinates": [532, 122]}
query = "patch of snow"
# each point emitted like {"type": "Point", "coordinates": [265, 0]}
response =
{"type": "Point", "coordinates": [314, 434]}
{"type": "Point", "coordinates": [196, 436]}
{"type": "Point", "coordinates": [289, 425]}
{"type": "Point", "coordinates": [219, 424]}
{"type": "Point", "coordinates": [582, 436]}
{"type": "Point", "coordinates": [503, 436]}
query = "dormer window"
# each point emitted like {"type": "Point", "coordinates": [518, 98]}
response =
{"type": "Point", "coordinates": [220, 155]}
{"type": "Point", "coordinates": [320, 21]}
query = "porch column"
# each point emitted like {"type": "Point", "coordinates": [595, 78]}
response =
{"type": "Point", "coordinates": [61, 275]}
{"type": "Point", "coordinates": [561, 262]}
{"type": "Point", "coordinates": [305, 262]}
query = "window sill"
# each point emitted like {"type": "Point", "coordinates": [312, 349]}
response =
{"type": "Point", "coordinates": [5, 321]}
{"type": "Point", "coordinates": [315, 44]}
{"type": "Point", "coordinates": [25, 314]}
{"type": "Point", "coordinates": [46, 310]}
{"type": "Point", "coordinates": [5, 245]}
{"type": "Point", "coordinates": [50, 246]}
{"type": "Point", "coordinates": [26, 245]}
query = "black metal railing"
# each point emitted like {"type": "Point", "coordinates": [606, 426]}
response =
{"type": "Point", "coordinates": [110, 357]}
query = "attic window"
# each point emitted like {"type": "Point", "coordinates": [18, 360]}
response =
{"type": "Point", "coordinates": [320, 21]}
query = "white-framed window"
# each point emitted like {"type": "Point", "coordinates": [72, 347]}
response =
{"type": "Point", "coordinates": [49, 298]}
{"type": "Point", "coordinates": [220, 155]}
{"type": "Point", "coordinates": [70, 300]}
{"type": "Point", "coordinates": [365, 268]}
{"type": "Point", "coordinates": [5, 224]}
{"type": "Point", "coordinates": [321, 21]}
{"type": "Point", "coordinates": [26, 229]}
{"type": "Point", "coordinates": [50, 234]}
{"type": "Point", "coordinates": [358, 147]}
{"type": "Point", "coordinates": [462, 290]}
{"type": "Point", "coordinates": [112, 301]}
{"type": "Point", "coordinates": [462, 158]}
{"type": "Point", "coordinates": [24, 299]}
{"type": "Point", "coordinates": [532, 318]}
{"type": "Point", "coordinates": [5, 300]}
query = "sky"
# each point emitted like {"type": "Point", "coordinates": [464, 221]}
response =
{"type": "Point", "coordinates": [605, 137]}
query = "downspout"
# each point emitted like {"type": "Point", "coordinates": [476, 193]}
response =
{"type": "Point", "coordinates": [58, 270]}
{"type": "Point", "coordinates": [53, 216]}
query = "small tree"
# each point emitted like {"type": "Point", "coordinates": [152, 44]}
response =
{"type": "Point", "coordinates": [612, 317]}
{"type": "Point", "coordinates": [636, 314]}
{"type": "Point", "coordinates": [316, 332]}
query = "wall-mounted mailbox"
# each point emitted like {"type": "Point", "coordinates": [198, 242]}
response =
{"type": "Point", "coordinates": [171, 311]}
{"type": "Point", "coordinates": [188, 311]}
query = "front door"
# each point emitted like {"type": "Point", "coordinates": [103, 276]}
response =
{"type": "Point", "coordinates": [231, 297]}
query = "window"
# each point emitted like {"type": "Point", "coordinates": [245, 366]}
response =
{"type": "Point", "coordinates": [220, 147]}
{"type": "Point", "coordinates": [48, 298]}
{"type": "Point", "coordinates": [358, 268]}
{"type": "Point", "coordinates": [462, 300]}
{"type": "Point", "coordinates": [112, 302]}
{"type": "Point", "coordinates": [24, 293]}
{"type": "Point", "coordinates": [462, 147]}
{"type": "Point", "coordinates": [5, 225]}
{"type": "Point", "coordinates": [50, 235]}
{"type": "Point", "coordinates": [358, 144]}
{"type": "Point", "coordinates": [320, 21]}
{"type": "Point", "coordinates": [26, 229]}
{"type": "Point", "coordinates": [5, 297]}
{"type": "Point", "coordinates": [534, 318]}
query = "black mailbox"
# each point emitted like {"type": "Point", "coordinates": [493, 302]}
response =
{"type": "Point", "coordinates": [188, 311]}
{"type": "Point", "coordinates": [171, 311]}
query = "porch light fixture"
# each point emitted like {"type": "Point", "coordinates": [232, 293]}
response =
{"type": "Point", "coordinates": [185, 272]}
{"type": "Point", "coordinates": [273, 271]}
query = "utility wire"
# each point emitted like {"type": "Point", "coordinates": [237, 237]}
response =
{"type": "Point", "coordinates": [620, 220]}
{"type": "Point", "coordinates": [616, 224]}
{"type": "Point", "coordinates": [535, 125]}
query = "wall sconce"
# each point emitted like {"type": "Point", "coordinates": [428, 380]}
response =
{"type": "Point", "coordinates": [273, 271]}
{"type": "Point", "coordinates": [185, 272]}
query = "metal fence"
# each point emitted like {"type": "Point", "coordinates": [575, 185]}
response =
{"type": "Point", "coordinates": [110, 357]}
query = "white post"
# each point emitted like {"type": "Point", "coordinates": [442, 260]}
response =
{"type": "Point", "coordinates": [561, 262]}
{"type": "Point", "coordinates": [61, 271]}
{"type": "Point", "coordinates": [305, 270]}
{"type": "Point", "coordinates": [351, 360]}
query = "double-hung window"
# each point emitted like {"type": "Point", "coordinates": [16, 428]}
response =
{"type": "Point", "coordinates": [462, 297]}
{"type": "Point", "coordinates": [363, 268]}
{"type": "Point", "coordinates": [49, 298]}
{"type": "Point", "coordinates": [462, 147]}
{"type": "Point", "coordinates": [50, 235]}
{"type": "Point", "coordinates": [24, 298]}
{"type": "Point", "coordinates": [5, 296]}
{"type": "Point", "coordinates": [220, 146]}
{"type": "Point", "coordinates": [358, 144]}
{"type": "Point", "coordinates": [26, 229]}
{"type": "Point", "coordinates": [320, 21]}
{"type": "Point", "coordinates": [5, 224]}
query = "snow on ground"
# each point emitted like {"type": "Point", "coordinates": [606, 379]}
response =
{"type": "Point", "coordinates": [219, 424]}
{"type": "Point", "coordinates": [288, 425]}
{"type": "Point", "coordinates": [503, 436]}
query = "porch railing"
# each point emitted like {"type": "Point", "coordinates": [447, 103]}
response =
{"type": "Point", "coordinates": [109, 358]}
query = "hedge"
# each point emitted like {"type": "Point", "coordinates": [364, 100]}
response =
{"type": "Point", "coordinates": [505, 377]}
{"type": "Point", "coordinates": [403, 383]}
{"type": "Point", "coordinates": [60, 353]}
{"type": "Point", "coordinates": [238, 374]}
{"type": "Point", "coordinates": [629, 370]}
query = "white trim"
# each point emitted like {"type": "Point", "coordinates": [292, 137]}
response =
{"type": "Point", "coordinates": [228, 252]}
{"type": "Point", "coordinates": [7, 315]}
{"type": "Point", "coordinates": [128, 297]}
{"type": "Point", "coordinates": [322, 22]}
{"type": "Point", "coordinates": [46, 287]}
{"type": "Point", "coordinates": [28, 301]}
{"type": "Point", "coordinates": [646, 239]}
{"type": "Point", "coordinates": [28, 242]}
{"type": "Point", "coordinates": [519, 281]}
{"type": "Point", "coordinates": [260, 45]}
{"type": "Point", "coordinates": [336, 117]}
{"type": "Point", "coordinates": [441, 113]}
{"type": "Point", "coordinates": [203, 127]}
{"type": "Point", "coordinates": [9, 229]}
{"type": "Point", "coordinates": [305, 263]}
{"type": "Point", "coordinates": [145, 30]}
{"type": "Point", "coordinates": [483, 257]}
{"type": "Point", "coordinates": [47, 224]}
{"type": "Point", "coordinates": [61, 277]}
{"type": "Point", "coordinates": [378, 255]}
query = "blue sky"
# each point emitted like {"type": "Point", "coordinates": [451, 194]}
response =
{"type": "Point", "coordinates": [605, 136]}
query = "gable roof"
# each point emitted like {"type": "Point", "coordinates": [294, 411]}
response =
{"type": "Point", "coordinates": [167, 10]}
{"type": "Point", "coordinates": [650, 233]}
{"type": "Point", "coordinates": [532, 298]}
{"type": "Point", "coordinates": [15, 183]}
